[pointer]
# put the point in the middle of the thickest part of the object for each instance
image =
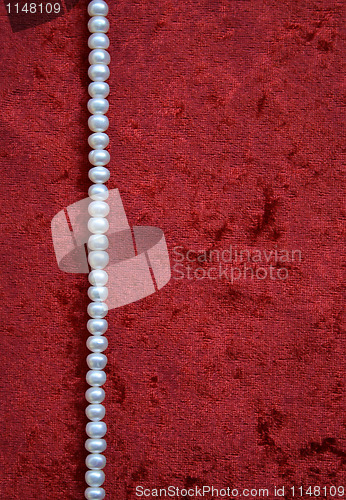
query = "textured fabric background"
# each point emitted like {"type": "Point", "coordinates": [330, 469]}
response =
{"type": "Point", "coordinates": [226, 129]}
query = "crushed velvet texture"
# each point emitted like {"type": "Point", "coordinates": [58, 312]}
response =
{"type": "Point", "coordinates": [225, 130]}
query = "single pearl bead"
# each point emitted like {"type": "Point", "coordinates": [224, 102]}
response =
{"type": "Point", "coordinates": [98, 24]}
{"type": "Point", "coordinates": [96, 378]}
{"type": "Point", "coordinates": [98, 123]}
{"type": "Point", "coordinates": [95, 461]}
{"type": "Point", "coordinates": [96, 361]}
{"type": "Point", "coordinates": [98, 293]}
{"type": "Point", "coordinates": [98, 106]}
{"type": "Point", "coordinates": [98, 72]}
{"type": "Point", "coordinates": [98, 277]}
{"type": "Point", "coordinates": [96, 429]}
{"type": "Point", "coordinates": [98, 225]}
{"type": "Point", "coordinates": [99, 157]}
{"type": "Point", "coordinates": [98, 41]}
{"type": "Point", "coordinates": [98, 140]}
{"type": "Point", "coordinates": [98, 326]}
{"type": "Point", "coordinates": [98, 209]}
{"type": "Point", "coordinates": [98, 259]}
{"type": "Point", "coordinates": [95, 413]}
{"type": "Point", "coordinates": [98, 242]}
{"type": "Point", "coordinates": [95, 493]}
{"type": "Point", "coordinates": [95, 445]}
{"type": "Point", "coordinates": [99, 56]}
{"type": "Point", "coordinates": [95, 478]}
{"type": "Point", "coordinates": [98, 192]}
{"type": "Point", "coordinates": [99, 175]}
{"type": "Point", "coordinates": [98, 89]}
{"type": "Point", "coordinates": [97, 343]}
{"type": "Point", "coordinates": [95, 395]}
{"type": "Point", "coordinates": [97, 8]}
{"type": "Point", "coordinates": [97, 310]}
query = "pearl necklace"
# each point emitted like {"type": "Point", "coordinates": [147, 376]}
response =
{"type": "Point", "coordinates": [97, 245]}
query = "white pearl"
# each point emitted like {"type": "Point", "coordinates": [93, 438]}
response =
{"type": "Point", "coordinates": [98, 140]}
{"type": "Point", "coordinates": [98, 259]}
{"type": "Point", "coordinates": [98, 192]}
{"type": "Point", "coordinates": [97, 343]}
{"type": "Point", "coordinates": [98, 24]}
{"type": "Point", "coordinates": [95, 461]}
{"type": "Point", "coordinates": [96, 361]}
{"type": "Point", "coordinates": [98, 277]}
{"type": "Point", "coordinates": [98, 72]}
{"type": "Point", "coordinates": [98, 242]}
{"type": "Point", "coordinates": [97, 310]}
{"type": "Point", "coordinates": [96, 429]}
{"type": "Point", "coordinates": [96, 378]}
{"type": "Point", "coordinates": [95, 478]}
{"type": "Point", "coordinates": [98, 89]}
{"type": "Point", "coordinates": [97, 326]}
{"type": "Point", "coordinates": [99, 175]}
{"type": "Point", "coordinates": [98, 41]}
{"type": "Point", "coordinates": [99, 157]}
{"type": "Point", "coordinates": [98, 293]}
{"type": "Point", "coordinates": [95, 412]}
{"type": "Point", "coordinates": [98, 123]}
{"type": "Point", "coordinates": [95, 493]}
{"type": "Point", "coordinates": [98, 225]}
{"type": "Point", "coordinates": [98, 209]}
{"type": "Point", "coordinates": [97, 8]}
{"type": "Point", "coordinates": [99, 56]}
{"type": "Point", "coordinates": [95, 445]}
{"type": "Point", "coordinates": [98, 106]}
{"type": "Point", "coordinates": [95, 395]}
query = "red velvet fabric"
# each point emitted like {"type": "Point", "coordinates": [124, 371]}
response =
{"type": "Point", "coordinates": [226, 129]}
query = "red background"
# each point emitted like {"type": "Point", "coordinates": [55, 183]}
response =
{"type": "Point", "coordinates": [225, 130]}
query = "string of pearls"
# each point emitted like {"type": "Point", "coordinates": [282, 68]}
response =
{"type": "Point", "coordinates": [97, 245]}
